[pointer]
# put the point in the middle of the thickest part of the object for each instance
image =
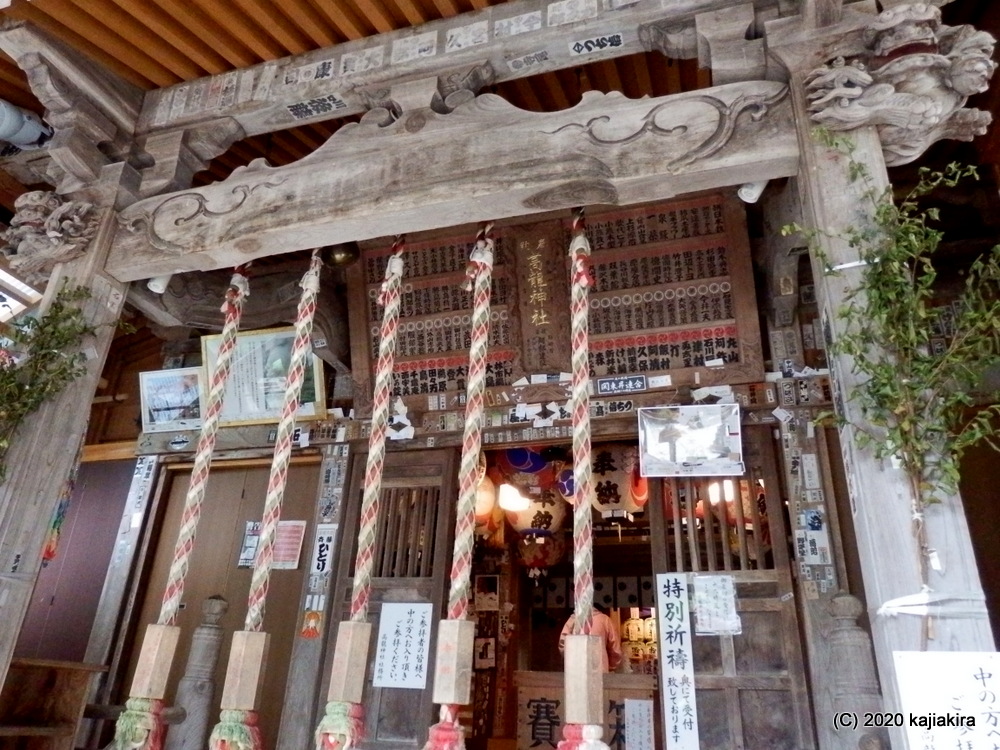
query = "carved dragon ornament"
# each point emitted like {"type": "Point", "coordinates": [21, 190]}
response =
{"type": "Point", "coordinates": [911, 85]}
{"type": "Point", "coordinates": [46, 230]}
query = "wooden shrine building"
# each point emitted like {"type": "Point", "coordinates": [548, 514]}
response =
{"type": "Point", "coordinates": [429, 148]}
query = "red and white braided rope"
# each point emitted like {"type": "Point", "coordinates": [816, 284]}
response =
{"type": "Point", "coordinates": [278, 479]}
{"type": "Point", "coordinates": [389, 299]}
{"type": "Point", "coordinates": [583, 479]}
{"type": "Point", "coordinates": [479, 275]}
{"type": "Point", "coordinates": [174, 591]}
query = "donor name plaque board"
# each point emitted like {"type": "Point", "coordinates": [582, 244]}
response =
{"type": "Point", "coordinates": [672, 302]}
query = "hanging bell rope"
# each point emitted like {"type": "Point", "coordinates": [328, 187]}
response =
{"type": "Point", "coordinates": [237, 728]}
{"type": "Point", "coordinates": [456, 635]}
{"type": "Point", "coordinates": [342, 724]}
{"type": "Point", "coordinates": [584, 682]}
{"type": "Point", "coordinates": [140, 726]}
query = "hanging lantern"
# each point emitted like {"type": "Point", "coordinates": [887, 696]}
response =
{"type": "Point", "coordinates": [538, 554]}
{"type": "Point", "coordinates": [490, 524]}
{"type": "Point", "coordinates": [617, 494]}
{"type": "Point", "coordinates": [543, 516]}
{"type": "Point", "coordinates": [486, 499]}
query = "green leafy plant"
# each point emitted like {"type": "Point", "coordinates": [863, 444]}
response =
{"type": "Point", "coordinates": [917, 386]}
{"type": "Point", "coordinates": [39, 359]}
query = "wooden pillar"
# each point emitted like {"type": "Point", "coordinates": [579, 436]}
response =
{"type": "Point", "coordinates": [43, 450]}
{"type": "Point", "coordinates": [880, 497]}
{"type": "Point", "coordinates": [196, 689]}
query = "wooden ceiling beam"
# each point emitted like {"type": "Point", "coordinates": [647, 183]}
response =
{"type": "Point", "coordinates": [413, 15]}
{"type": "Point", "coordinates": [274, 98]}
{"type": "Point", "coordinates": [176, 35]}
{"type": "Point", "coordinates": [140, 70]}
{"type": "Point", "coordinates": [277, 24]}
{"type": "Point", "coordinates": [345, 21]}
{"type": "Point", "coordinates": [191, 16]}
{"type": "Point", "coordinates": [243, 27]}
{"type": "Point", "coordinates": [311, 23]}
{"type": "Point", "coordinates": [528, 163]}
{"type": "Point", "coordinates": [446, 8]}
{"type": "Point", "coordinates": [377, 16]}
{"type": "Point", "coordinates": [640, 74]}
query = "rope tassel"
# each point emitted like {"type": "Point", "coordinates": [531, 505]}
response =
{"type": "Point", "coordinates": [140, 725]}
{"type": "Point", "coordinates": [342, 726]}
{"type": "Point", "coordinates": [236, 730]}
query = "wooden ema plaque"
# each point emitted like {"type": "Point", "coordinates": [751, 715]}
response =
{"type": "Point", "coordinates": [673, 305]}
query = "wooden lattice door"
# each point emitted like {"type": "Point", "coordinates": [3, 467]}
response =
{"type": "Point", "coordinates": [751, 688]}
{"type": "Point", "coordinates": [412, 551]}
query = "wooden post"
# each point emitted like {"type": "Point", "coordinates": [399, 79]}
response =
{"type": "Point", "coordinates": [196, 689]}
{"type": "Point", "coordinates": [880, 497]}
{"type": "Point", "coordinates": [44, 449]}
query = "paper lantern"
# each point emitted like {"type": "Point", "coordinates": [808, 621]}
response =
{"type": "Point", "coordinates": [616, 493]}
{"type": "Point", "coordinates": [544, 515]}
{"type": "Point", "coordinates": [486, 498]}
{"type": "Point", "coordinates": [538, 554]}
{"type": "Point", "coordinates": [489, 524]}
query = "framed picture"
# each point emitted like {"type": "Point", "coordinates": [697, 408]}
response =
{"type": "Point", "coordinates": [486, 595]}
{"type": "Point", "coordinates": [690, 441]}
{"type": "Point", "coordinates": [255, 391]}
{"type": "Point", "coordinates": [171, 400]}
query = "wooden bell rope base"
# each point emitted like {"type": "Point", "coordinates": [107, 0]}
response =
{"type": "Point", "coordinates": [140, 726]}
{"type": "Point", "coordinates": [584, 681]}
{"type": "Point", "coordinates": [237, 728]}
{"type": "Point", "coordinates": [456, 635]}
{"type": "Point", "coordinates": [342, 724]}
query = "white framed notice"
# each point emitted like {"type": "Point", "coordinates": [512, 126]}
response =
{"type": "Point", "coordinates": [255, 391]}
{"type": "Point", "coordinates": [639, 724]}
{"type": "Point", "coordinates": [690, 441]}
{"type": "Point", "coordinates": [680, 710]}
{"type": "Point", "coordinates": [172, 399]}
{"type": "Point", "coordinates": [403, 646]}
{"type": "Point", "coordinates": [949, 699]}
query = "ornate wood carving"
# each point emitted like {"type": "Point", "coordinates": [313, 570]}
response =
{"type": "Point", "coordinates": [47, 230]}
{"type": "Point", "coordinates": [912, 84]}
{"type": "Point", "coordinates": [492, 160]}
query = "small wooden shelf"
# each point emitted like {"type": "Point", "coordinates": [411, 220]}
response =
{"type": "Point", "coordinates": [42, 702]}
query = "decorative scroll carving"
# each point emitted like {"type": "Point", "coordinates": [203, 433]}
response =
{"type": "Point", "coordinates": [667, 120]}
{"type": "Point", "coordinates": [45, 230]}
{"type": "Point", "coordinates": [912, 86]}
{"type": "Point", "coordinates": [187, 208]}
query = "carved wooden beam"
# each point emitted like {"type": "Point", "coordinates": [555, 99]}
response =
{"type": "Point", "coordinates": [87, 106]}
{"type": "Point", "coordinates": [498, 43]}
{"type": "Point", "coordinates": [485, 160]}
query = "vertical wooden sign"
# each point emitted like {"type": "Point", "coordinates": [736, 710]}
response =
{"type": "Point", "coordinates": [542, 296]}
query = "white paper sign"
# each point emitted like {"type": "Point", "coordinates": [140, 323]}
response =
{"type": "Point", "coordinates": [323, 547]}
{"type": "Point", "coordinates": [715, 606]}
{"type": "Point", "coordinates": [639, 724]}
{"type": "Point", "coordinates": [950, 699]}
{"type": "Point", "coordinates": [404, 634]}
{"type": "Point", "coordinates": [680, 711]}
{"type": "Point", "coordinates": [694, 441]}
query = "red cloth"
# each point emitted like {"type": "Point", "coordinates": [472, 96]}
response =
{"type": "Point", "coordinates": [602, 626]}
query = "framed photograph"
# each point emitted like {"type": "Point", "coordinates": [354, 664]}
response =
{"type": "Point", "coordinates": [486, 595]}
{"type": "Point", "coordinates": [690, 441]}
{"type": "Point", "coordinates": [486, 653]}
{"type": "Point", "coordinates": [171, 400]}
{"type": "Point", "coordinates": [255, 391]}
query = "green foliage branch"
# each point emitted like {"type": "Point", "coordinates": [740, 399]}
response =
{"type": "Point", "coordinates": [916, 398]}
{"type": "Point", "coordinates": [41, 358]}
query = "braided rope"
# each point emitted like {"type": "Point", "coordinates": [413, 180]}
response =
{"type": "Point", "coordinates": [479, 275]}
{"type": "Point", "coordinates": [389, 299]}
{"type": "Point", "coordinates": [278, 479]}
{"type": "Point", "coordinates": [174, 591]}
{"type": "Point", "coordinates": [583, 479]}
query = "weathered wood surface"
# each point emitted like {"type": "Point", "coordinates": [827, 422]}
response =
{"type": "Point", "coordinates": [44, 449]}
{"type": "Point", "coordinates": [880, 494]}
{"type": "Point", "coordinates": [467, 51]}
{"type": "Point", "coordinates": [491, 160]}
